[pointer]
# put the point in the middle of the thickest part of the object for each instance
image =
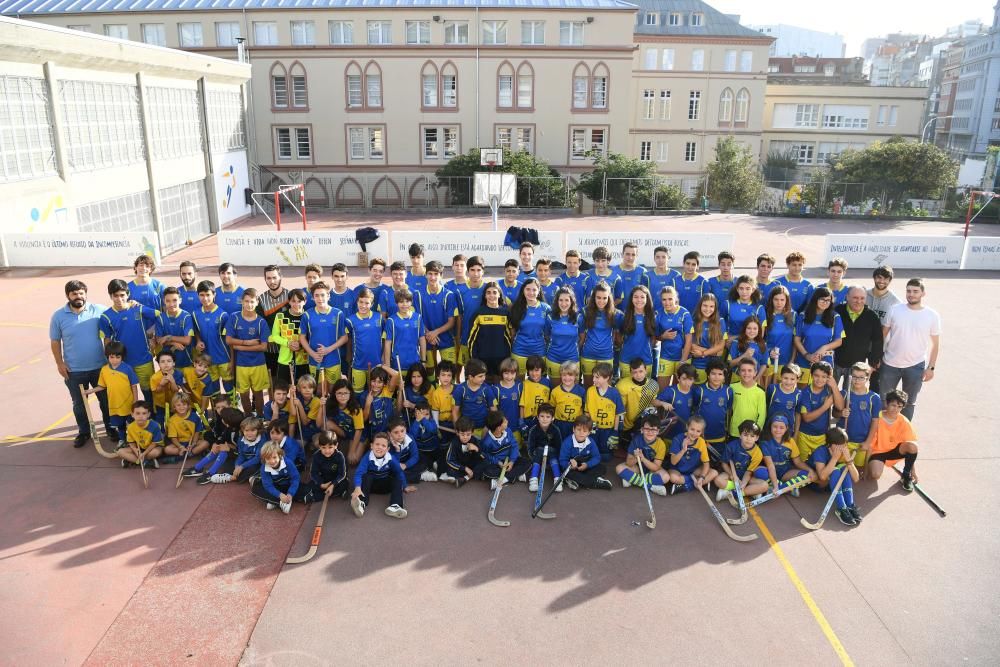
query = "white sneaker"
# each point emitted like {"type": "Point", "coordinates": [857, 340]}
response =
{"type": "Point", "coordinates": [358, 506]}
{"type": "Point", "coordinates": [658, 489]}
{"type": "Point", "coordinates": [625, 483]}
{"type": "Point", "coordinates": [445, 477]}
{"type": "Point", "coordinates": [533, 484]}
{"type": "Point", "coordinates": [221, 478]}
{"type": "Point", "coordinates": [731, 497]}
{"type": "Point", "coordinates": [270, 506]}
{"type": "Point", "coordinates": [285, 507]}
{"type": "Point", "coordinates": [720, 495]}
{"type": "Point", "coordinates": [493, 485]}
{"type": "Point", "coordinates": [559, 488]}
{"type": "Point", "coordinates": [395, 511]}
{"type": "Point", "coordinates": [428, 476]}
{"type": "Point", "coordinates": [522, 478]}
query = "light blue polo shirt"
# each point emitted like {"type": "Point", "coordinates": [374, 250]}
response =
{"type": "Point", "coordinates": [78, 332]}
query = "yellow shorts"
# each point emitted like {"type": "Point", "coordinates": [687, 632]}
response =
{"type": "Point", "coordinates": [359, 379]}
{"type": "Point", "coordinates": [252, 378]}
{"type": "Point", "coordinates": [446, 353]}
{"type": "Point", "coordinates": [332, 375]}
{"type": "Point", "coordinates": [702, 376]}
{"type": "Point", "coordinates": [463, 356]}
{"type": "Point", "coordinates": [860, 455]}
{"type": "Point", "coordinates": [666, 368]}
{"type": "Point", "coordinates": [806, 377]}
{"type": "Point", "coordinates": [626, 371]}
{"type": "Point", "coordinates": [220, 372]}
{"type": "Point", "coordinates": [587, 365]}
{"type": "Point", "coordinates": [808, 444]}
{"type": "Point", "coordinates": [522, 364]}
{"type": "Point", "coordinates": [145, 373]}
{"type": "Point", "coordinates": [769, 371]}
{"type": "Point", "coordinates": [555, 376]}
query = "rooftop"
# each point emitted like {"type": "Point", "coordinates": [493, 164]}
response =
{"type": "Point", "coordinates": [714, 23]}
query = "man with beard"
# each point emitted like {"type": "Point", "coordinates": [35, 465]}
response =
{"type": "Point", "coordinates": [189, 286]}
{"type": "Point", "coordinates": [912, 334]}
{"type": "Point", "coordinates": [79, 354]}
{"type": "Point", "coordinates": [269, 303]}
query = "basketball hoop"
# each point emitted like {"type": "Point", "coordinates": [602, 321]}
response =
{"type": "Point", "coordinates": [493, 188]}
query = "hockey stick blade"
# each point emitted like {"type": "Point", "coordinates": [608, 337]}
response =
{"type": "Point", "coordinates": [651, 523]}
{"type": "Point", "coordinates": [317, 533]}
{"type": "Point", "coordinates": [93, 428]}
{"type": "Point", "coordinates": [923, 494]}
{"type": "Point", "coordinates": [826, 508]}
{"type": "Point", "coordinates": [802, 482]}
{"type": "Point", "coordinates": [496, 496]}
{"type": "Point", "coordinates": [722, 521]}
{"type": "Point", "coordinates": [739, 496]}
{"type": "Point", "coordinates": [540, 497]}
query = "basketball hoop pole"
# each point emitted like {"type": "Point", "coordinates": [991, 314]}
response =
{"type": "Point", "coordinates": [494, 207]}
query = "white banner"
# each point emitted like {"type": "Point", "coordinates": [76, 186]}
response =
{"type": "Point", "coordinates": [982, 253]}
{"type": "Point", "coordinates": [708, 245]}
{"type": "Point", "coordinates": [442, 245]}
{"type": "Point", "coordinates": [88, 249]}
{"type": "Point", "coordinates": [288, 248]}
{"type": "Point", "coordinates": [231, 178]}
{"type": "Point", "coordinates": [867, 251]}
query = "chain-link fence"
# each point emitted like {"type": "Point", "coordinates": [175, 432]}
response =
{"type": "Point", "coordinates": [658, 193]}
{"type": "Point", "coordinates": [830, 199]}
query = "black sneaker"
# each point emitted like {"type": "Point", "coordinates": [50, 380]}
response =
{"type": "Point", "coordinates": [460, 482]}
{"type": "Point", "coordinates": [906, 482]}
{"type": "Point", "coordinates": [81, 440]}
{"type": "Point", "coordinates": [603, 484]}
{"type": "Point", "coordinates": [192, 473]}
{"type": "Point", "coordinates": [845, 517]}
{"type": "Point", "coordinates": [204, 479]}
{"type": "Point", "coordinates": [855, 514]}
{"type": "Point", "coordinates": [124, 464]}
{"type": "Point", "coordinates": [676, 488]}
{"type": "Point", "coordinates": [574, 486]}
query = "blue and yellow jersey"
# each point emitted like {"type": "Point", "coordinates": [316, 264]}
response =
{"type": "Point", "coordinates": [865, 408]}
{"type": "Point", "coordinates": [743, 459]}
{"type": "Point", "coordinates": [780, 334]}
{"type": "Point", "coordinates": [714, 406]}
{"type": "Point", "coordinates": [638, 344]}
{"type": "Point", "coordinates": [800, 292]}
{"type": "Point", "coordinates": [657, 281]}
{"type": "Point", "coordinates": [689, 291]}
{"type": "Point", "coordinates": [720, 288]}
{"type": "Point", "coordinates": [232, 301]}
{"type": "Point", "coordinates": [636, 397]}
{"type": "Point", "coordinates": [604, 408]}
{"type": "Point", "coordinates": [568, 403]}
{"type": "Point", "coordinates": [416, 283]}
{"type": "Point", "coordinates": [682, 403]}
{"type": "Point", "coordinates": [184, 428]}
{"type": "Point", "coordinates": [564, 338]}
{"type": "Point", "coordinates": [510, 292]}
{"type": "Point", "coordinates": [273, 411]}
{"type": "Point", "coordinates": [343, 301]}
{"type": "Point", "coordinates": [693, 457]}
{"type": "Point", "coordinates": [387, 302]}
{"type": "Point", "coordinates": [129, 328]}
{"type": "Point", "coordinates": [701, 336]}
{"type": "Point", "coordinates": [815, 334]}
{"type": "Point", "coordinates": [509, 402]}
{"type": "Point", "coordinates": [839, 295]}
{"type": "Point", "coordinates": [189, 299]}
{"type": "Point", "coordinates": [598, 341]}
{"type": "Point", "coordinates": [255, 330]}
{"type": "Point", "coordinates": [442, 401]}
{"type": "Point", "coordinates": [470, 298]}
{"type": "Point", "coordinates": [780, 453]}
{"type": "Point", "coordinates": [549, 291]}
{"type": "Point", "coordinates": [162, 396]}
{"type": "Point", "coordinates": [144, 436]}
{"type": "Point", "coordinates": [679, 321]}
{"type": "Point", "coordinates": [613, 280]}
{"type": "Point", "coordinates": [366, 340]}
{"type": "Point", "coordinates": [654, 451]}
{"type": "Point", "coordinates": [765, 289]}
{"type": "Point", "coordinates": [179, 325]}
{"type": "Point", "coordinates": [737, 312]}
{"type": "Point", "coordinates": [580, 284]}
{"type": "Point", "coordinates": [631, 278]}
{"type": "Point", "coordinates": [196, 383]}
{"type": "Point", "coordinates": [490, 336]}
{"type": "Point", "coordinates": [323, 329]}
{"type": "Point", "coordinates": [382, 408]}
{"type": "Point", "coordinates": [211, 326]}
{"type": "Point", "coordinates": [403, 335]}
{"type": "Point", "coordinates": [149, 295]}
{"type": "Point", "coordinates": [438, 307]}
{"type": "Point", "coordinates": [780, 402]}
{"type": "Point", "coordinates": [758, 354]}
{"type": "Point", "coordinates": [349, 422]}
{"type": "Point", "coordinates": [475, 403]}
{"type": "Point", "coordinates": [529, 338]}
{"type": "Point", "coordinates": [534, 394]}
{"type": "Point", "coordinates": [118, 383]}
{"type": "Point", "coordinates": [809, 401]}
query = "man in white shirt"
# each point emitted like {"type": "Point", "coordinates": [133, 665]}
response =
{"type": "Point", "coordinates": [907, 331]}
{"type": "Point", "coordinates": [879, 298]}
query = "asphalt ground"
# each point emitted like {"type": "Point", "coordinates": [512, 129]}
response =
{"type": "Point", "coordinates": [99, 571]}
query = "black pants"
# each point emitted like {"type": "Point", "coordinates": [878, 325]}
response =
{"type": "Point", "coordinates": [439, 457]}
{"type": "Point", "coordinates": [88, 379]}
{"type": "Point", "coordinates": [300, 371]}
{"type": "Point", "coordinates": [465, 460]}
{"type": "Point", "coordinates": [392, 485]}
{"type": "Point", "coordinates": [339, 489]}
{"type": "Point", "coordinates": [586, 478]}
{"type": "Point", "coordinates": [258, 491]}
{"type": "Point", "coordinates": [247, 472]}
{"type": "Point", "coordinates": [414, 472]}
{"type": "Point", "coordinates": [486, 470]}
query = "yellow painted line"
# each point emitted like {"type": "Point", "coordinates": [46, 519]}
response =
{"type": "Point", "coordinates": [11, 369]}
{"type": "Point", "coordinates": [35, 360]}
{"type": "Point", "coordinates": [25, 439]}
{"type": "Point", "coordinates": [23, 325]}
{"type": "Point", "coordinates": [41, 434]}
{"type": "Point", "coordinates": [824, 625]}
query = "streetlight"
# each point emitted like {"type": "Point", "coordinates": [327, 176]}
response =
{"type": "Point", "coordinates": [923, 132]}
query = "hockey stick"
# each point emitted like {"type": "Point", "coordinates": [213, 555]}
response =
{"type": "Point", "coordinates": [739, 497]}
{"type": "Point", "coordinates": [317, 533]}
{"type": "Point", "coordinates": [923, 494]}
{"type": "Point", "coordinates": [829, 503]}
{"type": "Point", "coordinates": [651, 524]}
{"type": "Point", "coordinates": [93, 427]}
{"type": "Point", "coordinates": [322, 374]}
{"type": "Point", "coordinates": [800, 482]}
{"type": "Point", "coordinates": [537, 510]}
{"type": "Point", "coordinates": [402, 394]}
{"type": "Point", "coordinates": [142, 467]}
{"type": "Point", "coordinates": [295, 429]}
{"type": "Point", "coordinates": [722, 522]}
{"type": "Point", "coordinates": [496, 496]}
{"type": "Point", "coordinates": [180, 473]}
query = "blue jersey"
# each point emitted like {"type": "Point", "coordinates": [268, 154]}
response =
{"type": "Point", "coordinates": [189, 299]}
{"type": "Point", "coordinates": [631, 278]}
{"type": "Point", "coordinates": [692, 458]}
{"type": "Point", "coordinates": [387, 302]}
{"type": "Point", "coordinates": [564, 338]}
{"type": "Point", "coordinates": [815, 335]}
{"type": "Point", "coordinates": [839, 295]}
{"type": "Point", "coordinates": [689, 291]}
{"type": "Point", "coordinates": [509, 399]}
{"type": "Point", "coordinates": [743, 459]}
{"type": "Point", "coordinates": [580, 284]}
{"type": "Point", "coordinates": [701, 338]}
{"type": "Point", "coordinates": [613, 280]}
{"type": "Point", "coordinates": [865, 408]}
{"type": "Point", "coordinates": [403, 335]}
{"type": "Point", "coordinates": [780, 334]}
{"type": "Point", "coordinates": [180, 325]}
{"type": "Point", "coordinates": [244, 329]}
{"type": "Point", "coordinates": [496, 449]}
{"type": "Point", "coordinates": [765, 289]}
{"type": "Point", "coordinates": [684, 404]}
{"type": "Point", "coordinates": [598, 342]}
{"type": "Point", "coordinates": [129, 328]}
{"type": "Point", "coordinates": [679, 321]}
{"type": "Point", "coordinates": [582, 452]}
{"type": "Point", "coordinates": [150, 294]}
{"type": "Point", "coordinates": [638, 344]}
{"type": "Point", "coordinates": [475, 403]}
{"type": "Point", "coordinates": [657, 281]}
{"type": "Point", "coordinates": [509, 292]}
{"type": "Point", "coordinates": [523, 275]}
{"type": "Point", "coordinates": [529, 338]}
{"type": "Point", "coordinates": [549, 292]}
{"type": "Point", "coordinates": [800, 292]}
{"type": "Point", "coordinates": [416, 283]}
{"type": "Point", "coordinates": [231, 302]}
{"type": "Point", "coordinates": [719, 287]}
{"type": "Point", "coordinates": [780, 453]}
{"type": "Point", "coordinates": [323, 329]}
{"type": "Point", "coordinates": [470, 298]}
{"type": "Point", "coordinates": [211, 326]}
{"type": "Point", "coordinates": [366, 340]}
{"type": "Point", "coordinates": [380, 412]}
{"type": "Point", "coordinates": [344, 302]}
{"type": "Point", "coordinates": [810, 401]}
{"type": "Point", "coordinates": [780, 402]}
{"type": "Point", "coordinates": [758, 354]}
{"type": "Point", "coordinates": [438, 307]}
{"type": "Point", "coordinates": [820, 457]}
{"type": "Point", "coordinates": [714, 406]}
{"type": "Point", "coordinates": [737, 312]}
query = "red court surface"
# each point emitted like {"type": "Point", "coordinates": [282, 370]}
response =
{"type": "Point", "coordinates": [99, 571]}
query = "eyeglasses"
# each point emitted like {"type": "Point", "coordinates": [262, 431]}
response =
{"type": "Point", "coordinates": [651, 429]}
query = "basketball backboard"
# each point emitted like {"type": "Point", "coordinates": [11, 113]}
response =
{"type": "Point", "coordinates": [491, 157]}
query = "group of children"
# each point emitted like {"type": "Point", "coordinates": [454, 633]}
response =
{"type": "Point", "coordinates": [427, 381]}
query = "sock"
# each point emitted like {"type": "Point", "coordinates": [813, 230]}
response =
{"type": "Point", "coordinates": [848, 494]}
{"type": "Point", "coordinates": [792, 482]}
{"type": "Point", "coordinates": [660, 478]}
{"type": "Point", "coordinates": [841, 504]}
{"type": "Point", "coordinates": [908, 461]}
{"type": "Point", "coordinates": [688, 482]}
{"type": "Point", "coordinates": [535, 469]}
{"type": "Point", "coordinates": [628, 476]}
{"type": "Point", "coordinates": [555, 470]}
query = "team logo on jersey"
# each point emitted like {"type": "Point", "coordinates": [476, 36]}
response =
{"type": "Point", "coordinates": [722, 401]}
{"type": "Point", "coordinates": [863, 405]}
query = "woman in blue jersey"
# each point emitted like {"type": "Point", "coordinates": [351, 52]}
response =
{"type": "Point", "coordinates": [365, 330]}
{"type": "Point", "coordinates": [709, 337]}
{"type": "Point", "coordinates": [749, 344]}
{"type": "Point", "coordinates": [743, 302]}
{"type": "Point", "coordinates": [562, 330]}
{"type": "Point", "coordinates": [638, 331]}
{"type": "Point", "coordinates": [779, 331]}
{"type": "Point", "coordinates": [818, 331]}
{"type": "Point", "coordinates": [527, 321]}
{"type": "Point", "coordinates": [600, 321]}
{"type": "Point", "coordinates": [674, 327]}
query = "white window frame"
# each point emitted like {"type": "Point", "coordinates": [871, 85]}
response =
{"type": "Point", "coordinates": [571, 33]}
{"type": "Point", "coordinates": [582, 141]}
{"type": "Point", "coordinates": [665, 110]}
{"type": "Point", "coordinates": [525, 93]}
{"type": "Point", "coordinates": [742, 112]}
{"type": "Point", "coordinates": [442, 145]}
{"type": "Point", "coordinates": [456, 32]}
{"type": "Point", "coordinates": [746, 61]}
{"type": "Point", "coordinates": [303, 143]}
{"type": "Point", "coordinates": [279, 91]}
{"type": "Point", "coordinates": [299, 91]}
{"type": "Point", "coordinates": [303, 33]}
{"type": "Point", "coordinates": [116, 30]}
{"type": "Point", "coordinates": [373, 93]}
{"type": "Point", "coordinates": [376, 143]}
{"type": "Point", "coordinates": [265, 33]}
{"type": "Point", "coordinates": [341, 32]}
{"type": "Point", "coordinates": [381, 31]}
{"type": "Point", "coordinates": [357, 144]}
{"type": "Point", "coordinates": [650, 58]}
{"type": "Point", "coordinates": [667, 62]}
{"type": "Point", "coordinates": [224, 35]}
{"type": "Point", "coordinates": [158, 32]}
{"type": "Point", "coordinates": [599, 92]}
{"type": "Point", "coordinates": [651, 18]}
{"type": "Point", "coordinates": [505, 91]}
{"type": "Point", "coordinates": [675, 19]}
{"type": "Point", "coordinates": [449, 90]}
{"type": "Point", "coordinates": [580, 92]}
{"type": "Point", "coordinates": [645, 151]}
{"type": "Point", "coordinates": [698, 60]}
{"type": "Point", "coordinates": [532, 33]}
{"type": "Point", "coordinates": [806, 115]}
{"type": "Point", "coordinates": [662, 148]}
{"type": "Point", "coordinates": [494, 32]}
{"type": "Point", "coordinates": [729, 63]}
{"type": "Point", "coordinates": [697, 20]}
{"type": "Point", "coordinates": [283, 143]}
{"type": "Point", "coordinates": [691, 151]}
{"type": "Point", "coordinates": [355, 92]}
{"type": "Point", "coordinates": [417, 32]}
{"type": "Point", "coordinates": [365, 142]}
{"type": "Point", "coordinates": [648, 104]}
{"type": "Point", "coordinates": [726, 106]}
{"type": "Point", "coordinates": [694, 105]}
{"type": "Point", "coordinates": [190, 34]}
{"type": "Point", "coordinates": [429, 90]}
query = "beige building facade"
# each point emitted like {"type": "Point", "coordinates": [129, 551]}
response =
{"type": "Point", "coordinates": [813, 123]}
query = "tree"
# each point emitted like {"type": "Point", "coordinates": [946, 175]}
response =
{"type": "Point", "coordinates": [899, 168]}
{"type": "Point", "coordinates": [631, 183]}
{"type": "Point", "coordinates": [538, 184]}
{"type": "Point", "coordinates": [734, 179]}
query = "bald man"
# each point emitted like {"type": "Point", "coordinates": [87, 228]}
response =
{"type": "Point", "coordinates": [862, 335]}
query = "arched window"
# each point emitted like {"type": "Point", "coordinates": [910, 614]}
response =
{"type": "Point", "coordinates": [449, 85]}
{"type": "Point", "coordinates": [505, 86]}
{"type": "Point", "coordinates": [742, 105]}
{"type": "Point", "coordinates": [373, 85]}
{"type": "Point", "coordinates": [354, 86]}
{"type": "Point", "coordinates": [429, 86]}
{"type": "Point", "coordinates": [599, 85]}
{"type": "Point", "coordinates": [726, 106]}
{"type": "Point", "coordinates": [581, 86]}
{"type": "Point", "coordinates": [525, 86]}
{"type": "Point", "coordinates": [279, 86]}
{"type": "Point", "coordinates": [299, 87]}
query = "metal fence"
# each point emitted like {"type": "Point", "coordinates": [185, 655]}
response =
{"type": "Point", "coordinates": [834, 199]}
{"type": "Point", "coordinates": [658, 193]}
